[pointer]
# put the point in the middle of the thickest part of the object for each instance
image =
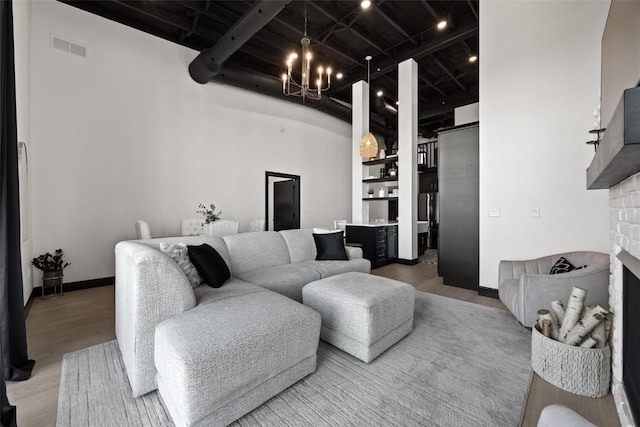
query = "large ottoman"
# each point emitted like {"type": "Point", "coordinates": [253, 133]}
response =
{"type": "Point", "coordinates": [362, 314]}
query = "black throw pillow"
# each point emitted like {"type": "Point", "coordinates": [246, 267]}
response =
{"type": "Point", "coordinates": [562, 266]}
{"type": "Point", "coordinates": [330, 247]}
{"type": "Point", "coordinates": [210, 265]}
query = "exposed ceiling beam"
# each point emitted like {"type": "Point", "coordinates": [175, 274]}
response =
{"type": "Point", "coordinates": [473, 10]}
{"type": "Point", "coordinates": [366, 39]}
{"type": "Point", "coordinates": [436, 88]}
{"type": "Point", "coordinates": [157, 14]}
{"type": "Point", "coordinates": [447, 104]}
{"type": "Point", "coordinates": [394, 24]}
{"type": "Point", "coordinates": [431, 10]}
{"type": "Point", "coordinates": [203, 11]}
{"type": "Point", "coordinates": [439, 43]}
{"type": "Point", "coordinates": [450, 74]}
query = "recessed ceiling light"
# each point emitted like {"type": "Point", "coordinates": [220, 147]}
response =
{"type": "Point", "coordinates": [365, 4]}
{"type": "Point", "coordinates": [442, 24]}
{"type": "Point", "coordinates": [397, 102]}
{"type": "Point", "coordinates": [379, 93]}
{"type": "Point", "coordinates": [378, 68]}
{"type": "Point", "coordinates": [339, 76]}
{"type": "Point", "coordinates": [473, 58]}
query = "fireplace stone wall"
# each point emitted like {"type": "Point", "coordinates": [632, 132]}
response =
{"type": "Point", "coordinates": [624, 214]}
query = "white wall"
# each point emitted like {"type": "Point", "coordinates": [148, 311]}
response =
{"type": "Point", "coordinates": [125, 134]}
{"type": "Point", "coordinates": [539, 78]}
{"type": "Point", "coordinates": [22, 41]}
{"type": "Point", "coordinates": [466, 114]}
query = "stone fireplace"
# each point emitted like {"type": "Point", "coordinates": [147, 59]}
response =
{"type": "Point", "coordinates": [616, 166]}
{"type": "Point", "coordinates": [624, 207]}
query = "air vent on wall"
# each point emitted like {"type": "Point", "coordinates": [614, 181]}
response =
{"type": "Point", "coordinates": [67, 46]}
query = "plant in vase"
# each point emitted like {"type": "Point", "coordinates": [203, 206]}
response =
{"type": "Point", "coordinates": [210, 216]}
{"type": "Point", "coordinates": [52, 267]}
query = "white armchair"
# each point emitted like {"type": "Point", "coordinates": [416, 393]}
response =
{"type": "Point", "coordinates": [526, 286]}
{"type": "Point", "coordinates": [142, 230]}
{"type": "Point", "coordinates": [191, 227]}
{"type": "Point", "coordinates": [257, 225]}
{"type": "Point", "coordinates": [222, 227]}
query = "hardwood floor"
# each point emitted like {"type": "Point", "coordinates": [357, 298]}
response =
{"type": "Point", "coordinates": [84, 318]}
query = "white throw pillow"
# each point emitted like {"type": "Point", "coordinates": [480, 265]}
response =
{"type": "Point", "coordinates": [180, 254]}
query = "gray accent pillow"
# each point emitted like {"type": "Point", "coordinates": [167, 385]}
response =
{"type": "Point", "coordinates": [180, 254]}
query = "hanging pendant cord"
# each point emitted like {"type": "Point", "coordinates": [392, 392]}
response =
{"type": "Point", "coordinates": [305, 19]}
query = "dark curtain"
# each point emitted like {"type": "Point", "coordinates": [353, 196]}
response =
{"type": "Point", "coordinates": [14, 362]}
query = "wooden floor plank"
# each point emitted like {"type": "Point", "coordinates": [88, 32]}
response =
{"type": "Point", "coordinates": [84, 318]}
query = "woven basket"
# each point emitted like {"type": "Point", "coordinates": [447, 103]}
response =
{"type": "Point", "coordinates": [583, 371]}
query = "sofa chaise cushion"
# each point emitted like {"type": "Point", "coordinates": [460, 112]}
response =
{"type": "Point", "coordinates": [215, 355]}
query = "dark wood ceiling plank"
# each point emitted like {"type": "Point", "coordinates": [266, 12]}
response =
{"type": "Point", "coordinates": [432, 85]}
{"type": "Point", "coordinates": [431, 10]}
{"type": "Point", "coordinates": [449, 73]}
{"type": "Point", "coordinates": [394, 24]}
{"type": "Point", "coordinates": [357, 33]}
{"type": "Point", "coordinates": [428, 48]}
{"type": "Point", "coordinates": [473, 9]}
{"type": "Point", "coordinates": [204, 11]}
{"type": "Point", "coordinates": [443, 105]}
{"type": "Point", "coordinates": [157, 14]}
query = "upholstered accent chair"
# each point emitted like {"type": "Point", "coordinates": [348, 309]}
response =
{"type": "Point", "coordinates": [257, 225]}
{"type": "Point", "coordinates": [142, 230]}
{"type": "Point", "coordinates": [526, 286]}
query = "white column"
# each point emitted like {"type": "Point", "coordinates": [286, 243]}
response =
{"type": "Point", "coordinates": [360, 126]}
{"type": "Point", "coordinates": [407, 159]}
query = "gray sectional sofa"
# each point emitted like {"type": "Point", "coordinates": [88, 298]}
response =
{"type": "Point", "coordinates": [214, 354]}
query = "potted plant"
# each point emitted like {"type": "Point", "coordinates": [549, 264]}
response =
{"type": "Point", "coordinates": [52, 267]}
{"type": "Point", "coordinates": [210, 216]}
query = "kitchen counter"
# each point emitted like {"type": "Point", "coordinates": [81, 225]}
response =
{"type": "Point", "coordinates": [373, 224]}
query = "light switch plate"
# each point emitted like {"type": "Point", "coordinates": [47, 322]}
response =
{"type": "Point", "coordinates": [494, 212]}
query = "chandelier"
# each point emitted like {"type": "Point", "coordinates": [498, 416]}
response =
{"type": "Point", "coordinates": [290, 87]}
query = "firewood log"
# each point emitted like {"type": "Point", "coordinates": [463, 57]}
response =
{"type": "Point", "coordinates": [573, 312]}
{"type": "Point", "coordinates": [608, 325]}
{"type": "Point", "coordinates": [585, 325]}
{"type": "Point", "coordinates": [589, 342]}
{"type": "Point", "coordinates": [543, 315]}
{"type": "Point", "coordinates": [558, 309]}
{"type": "Point", "coordinates": [546, 327]}
{"type": "Point", "coordinates": [599, 334]}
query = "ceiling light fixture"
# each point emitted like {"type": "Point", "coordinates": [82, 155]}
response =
{"type": "Point", "coordinates": [442, 24]}
{"type": "Point", "coordinates": [380, 93]}
{"type": "Point", "coordinates": [473, 58]}
{"type": "Point", "coordinates": [368, 144]}
{"type": "Point", "coordinates": [292, 88]}
{"type": "Point", "coordinates": [339, 76]}
{"type": "Point", "coordinates": [365, 4]}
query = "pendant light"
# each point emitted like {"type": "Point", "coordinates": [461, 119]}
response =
{"type": "Point", "coordinates": [368, 144]}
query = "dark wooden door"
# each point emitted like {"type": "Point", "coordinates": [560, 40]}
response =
{"type": "Point", "coordinates": [285, 215]}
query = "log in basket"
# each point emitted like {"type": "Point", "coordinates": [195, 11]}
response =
{"type": "Point", "coordinates": [579, 370]}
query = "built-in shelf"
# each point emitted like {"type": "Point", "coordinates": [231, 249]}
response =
{"type": "Point", "coordinates": [379, 198]}
{"type": "Point", "coordinates": [372, 180]}
{"type": "Point", "coordinates": [380, 161]}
